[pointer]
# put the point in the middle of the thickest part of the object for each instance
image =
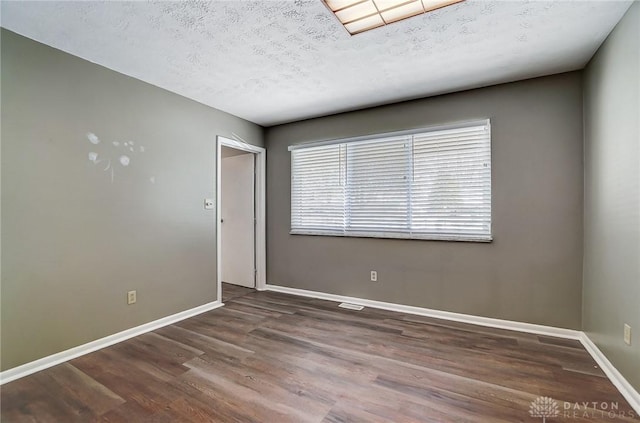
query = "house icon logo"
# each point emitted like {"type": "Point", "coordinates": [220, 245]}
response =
{"type": "Point", "coordinates": [544, 407]}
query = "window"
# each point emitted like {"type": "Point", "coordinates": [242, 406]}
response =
{"type": "Point", "coordinates": [428, 184]}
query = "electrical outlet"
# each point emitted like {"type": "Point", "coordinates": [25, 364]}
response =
{"type": "Point", "coordinates": [131, 297]}
{"type": "Point", "coordinates": [627, 334]}
{"type": "Point", "coordinates": [374, 276]}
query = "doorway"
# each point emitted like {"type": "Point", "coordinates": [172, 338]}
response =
{"type": "Point", "coordinates": [240, 215]}
{"type": "Point", "coordinates": [237, 218]}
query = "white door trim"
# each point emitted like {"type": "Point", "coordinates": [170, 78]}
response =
{"type": "Point", "coordinates": [260, 192]}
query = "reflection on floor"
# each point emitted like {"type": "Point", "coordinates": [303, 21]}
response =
{"type": "Point", "coordinates": [230, 291]}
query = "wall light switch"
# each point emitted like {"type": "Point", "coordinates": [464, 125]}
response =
{"type": "Point", "coordinates": [208, 204]}
{"type": "Point", "coordinates": [132, 297]}
{"type": "Point", "coordinates": [627, 334]}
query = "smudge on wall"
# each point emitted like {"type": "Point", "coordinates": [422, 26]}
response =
{"type": "Point", "coordinates": [116, 150]}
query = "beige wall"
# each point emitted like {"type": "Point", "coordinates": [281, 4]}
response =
{"type": "Point", "coordinates": [73, 242]}
{"type": "Point", "coordinates": [532, 272]}
{"type": "Point", "coordinates": [612, 196]}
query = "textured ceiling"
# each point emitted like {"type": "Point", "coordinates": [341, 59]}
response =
{"type": "Point", "coordinates": [272, 61]}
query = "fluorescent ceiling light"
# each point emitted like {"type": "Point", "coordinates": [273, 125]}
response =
{"type": "Point", "coordinates": [362, 15]}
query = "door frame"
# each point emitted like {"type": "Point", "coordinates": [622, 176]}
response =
{"type": "Point", "coordinates": [260, 210]}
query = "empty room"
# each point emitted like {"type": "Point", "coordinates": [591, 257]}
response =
{"type": "Point", "coordinates": [320, 211]}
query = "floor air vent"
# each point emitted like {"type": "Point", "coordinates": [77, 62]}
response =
{"type": "Point", "coordinates": [351, 306]}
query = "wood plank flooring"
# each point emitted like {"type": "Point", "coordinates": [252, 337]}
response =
{"type": "Point", "coordinates": [270, 357]}
{"type": "Point", "coordinates": [230, 291]}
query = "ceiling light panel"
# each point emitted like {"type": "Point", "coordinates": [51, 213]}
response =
{"type": "Point", "coordinates": [341, 4]}
{"type": "Point", "coordinates": [391, 4]}
{"type": "Point", "coordinates": [402, 12]}
{"type": "Point", "coordinates": [430, 5]}
{"type": "Point", "coordinates": [356, 12]}
{"type": "Point", "coordinates": [365, 24]}
{"type": "Point", "coordinates": [362, 15]}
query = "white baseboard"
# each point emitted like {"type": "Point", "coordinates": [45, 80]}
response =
{"type": "Point", "coordinates": [628, 392]}
{"type": "Point", "coordinates": [438, 314]}
{"type": "Point", "coordinates": [619, 381]}
{"type": "Point", "coordinates": [61, 357]}
{"type": "Point", "coordinates": [625, 388]}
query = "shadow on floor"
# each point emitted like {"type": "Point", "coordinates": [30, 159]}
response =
{"type": "Point", "coordinates": [230, 291]}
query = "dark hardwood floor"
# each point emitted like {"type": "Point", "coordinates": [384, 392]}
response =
{"type": "Point", "coordinates": [269, 357]}
{"type": "Point", "coordinates": [230, 291]}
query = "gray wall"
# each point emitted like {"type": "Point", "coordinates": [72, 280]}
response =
{"type": "Point", "coordinates": [73, 242]}
{"type": "Point", "coordinates": [612, 196]}
{"type": "Point", "coordinates": [531, 272]}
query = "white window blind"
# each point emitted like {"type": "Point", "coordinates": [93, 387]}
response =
{"type": "Point", "coordinates": [317, 189]}
{"type": "Point", "coordinates": [378, 186]}
{"type": "Point", "coordinates": [428, 184]}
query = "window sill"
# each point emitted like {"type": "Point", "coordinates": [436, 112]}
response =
{"type": "Point", "coordinates": [391, 235]}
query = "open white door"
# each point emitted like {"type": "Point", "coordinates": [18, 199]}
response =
{"type": "Point", "coordinates": [238, 219]}
{"type": "Point", "coordinates": [259, 153]}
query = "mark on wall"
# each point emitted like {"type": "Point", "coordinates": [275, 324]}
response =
{"type": "Point", "coordinates": [115, 150]}
{"type": "Point", "coordinates": [93, 138]}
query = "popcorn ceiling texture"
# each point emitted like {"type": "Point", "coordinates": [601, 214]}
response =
{"type": "Point", "coordinates": [272, 62]}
